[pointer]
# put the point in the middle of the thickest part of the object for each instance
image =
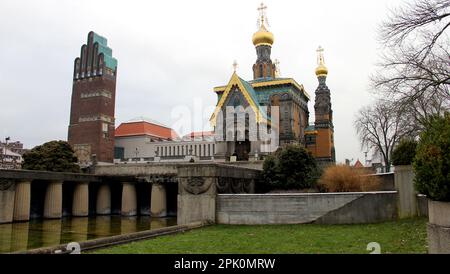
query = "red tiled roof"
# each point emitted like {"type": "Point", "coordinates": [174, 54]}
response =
{"type": "Point", "coordinates": [139, 128]}
{"type": "Point", "coordinates": [358, 164]}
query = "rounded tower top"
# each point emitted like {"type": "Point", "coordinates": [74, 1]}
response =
{"type": "Point", "coordinates": [321, 69]}
{"type": "Point", "coordinates": [262, 36]}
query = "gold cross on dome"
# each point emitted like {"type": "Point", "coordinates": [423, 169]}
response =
{"type": "Point", "coordinates": [320, 59]}
{"type": "Point", "coordinates": [262, 14]}
{"type": "Point", "coordinates": [235, 65]}
{"type": "Point", "coordinates": [277, 68]}
{"type": "Point", "coordinates": [262, 8]}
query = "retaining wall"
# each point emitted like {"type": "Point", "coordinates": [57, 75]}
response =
{"type": "Point", "coordinates": [326, 208]}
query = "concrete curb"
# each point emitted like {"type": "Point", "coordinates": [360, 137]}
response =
{"type": "Point", "coordinates": [118, 239]}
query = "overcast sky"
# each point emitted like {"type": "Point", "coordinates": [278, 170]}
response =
{"type": "Point", "coordinates": [172, 53]}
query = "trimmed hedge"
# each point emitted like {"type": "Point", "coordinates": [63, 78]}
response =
{"type": "Point", "coordinates": [404, 152]}
{"type": "Point", "coordinates": [432, 162]}
{"type": "Point", "coordinates": [291, 167]}
{"type": "Point", "coordinates": [52, 156]}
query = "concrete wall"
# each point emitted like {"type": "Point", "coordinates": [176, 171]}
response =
{"type": "Point", "coordinates": [136, 169]}
{"type": "Point", "coordinates": [422, 205]}
{"type": "Point", "coordinates": [330, 208]}
{"type": "Point", "coordinates": [247, 164]}
{"type": "Point", "coordinates": [404, 184]}
{"type": "Point", "coordinates": [438, 227]}
{"type": "Point", "coordinates": [199, 184]}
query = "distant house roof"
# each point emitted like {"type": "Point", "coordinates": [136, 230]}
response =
{"type": "Point", "coordinates": [145, 127]}
{"type": "Point", "coordinates": [358, 164]}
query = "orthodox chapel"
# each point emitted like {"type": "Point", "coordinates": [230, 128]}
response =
{"type": "Point", "coordinates": [265, 91]}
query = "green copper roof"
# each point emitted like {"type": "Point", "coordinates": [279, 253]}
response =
{"type": "Point", "coordinates": [110, 61]}
{"type": "Point", "coordinates": [310, 128]}
{"type": "Point", "coordinates": [252, 93]}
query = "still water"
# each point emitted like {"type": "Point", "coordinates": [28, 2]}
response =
{"type": "Point", "coordinates": [44, 233]}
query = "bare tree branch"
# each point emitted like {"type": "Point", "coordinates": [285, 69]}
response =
{"type": "Point", "coordinates": [381, 127]}
{"type": "Point", "coordinates": [414, 72]}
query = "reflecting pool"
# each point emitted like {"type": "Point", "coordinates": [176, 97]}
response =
{"type": "Point", "coordinates": [44, 233]}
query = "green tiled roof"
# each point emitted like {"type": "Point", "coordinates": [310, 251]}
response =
{"type": "Point", "coordinates": [252, 93]}
{"type": "Point", "coordinates": [110, 61]}
{"type": "Point", "coordinates": [310, 128]}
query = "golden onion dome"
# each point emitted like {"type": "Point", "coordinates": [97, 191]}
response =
{"type": "Point", "coordinates": [321, 70]}
{"type": "Point", "coordinates": [262, 37]}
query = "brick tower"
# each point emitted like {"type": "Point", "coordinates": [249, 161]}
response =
{"type": "Point", "coordinates": [324, 115]}
{"type": "Point", "coordinates": [91, 128]}
{"type": "Point", "coordinates": [263, 40]}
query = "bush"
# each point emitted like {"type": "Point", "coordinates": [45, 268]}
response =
{"type": "Point", "coordinates": [51, 156]}
{"type": "Point", "coordinates": [404, 152]}
{"type": "Point", "coordinates": [343, 178]}
{"type": "Point", "coordinates": [291, 167]}
{"type": "Point", "coordinates": [432, 162]}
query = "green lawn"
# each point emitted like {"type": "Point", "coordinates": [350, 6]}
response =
{"type": "Point", "coordinates": [405, 236]}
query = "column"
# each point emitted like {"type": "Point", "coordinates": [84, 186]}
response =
{"type": "Point", "coordinates": [407, 196]}
{"type": "Point", "coordinates": [103, 200]}
{"type": "Point", "coordinates": [80, 203]}
{"type": "Point", "coordinates": [158, 206]}
{"type": "Point", "coordinates": [7, 193]}
{"type": "Point", "coordinates": [129, 201]}
{"type": "Point", "coordinates": [197, 192]}
{"type": "Point", "coordinates": [53, 200]}
{"type": "Point", "coordinates": [22, 201]}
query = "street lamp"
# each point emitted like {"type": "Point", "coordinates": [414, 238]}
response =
{"type": "Point", "coordinates": [3, 151]}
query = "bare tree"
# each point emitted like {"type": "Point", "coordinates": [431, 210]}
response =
{"type": "Point", "coordinates": [414, 72]}
{"type": "Point", "coordinates": [381, 126]}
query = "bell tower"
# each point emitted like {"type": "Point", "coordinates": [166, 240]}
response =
{"type": "Point", "coordinates": [324, 114]}
{"type": "Point", "coordinates": [263, 40]}
{"type": "Point", "coordinates": [91, 128]}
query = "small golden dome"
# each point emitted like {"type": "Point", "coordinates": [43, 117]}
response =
{"type": "Point", "coordinates": [263, 37]}
{"type": "Point", "coordinates": [321, 70]}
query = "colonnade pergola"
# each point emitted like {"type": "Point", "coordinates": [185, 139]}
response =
{"type": "Point", "coordinates": [79, 195]}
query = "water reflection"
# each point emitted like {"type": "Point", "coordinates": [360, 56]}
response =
{"type": "Point", "coordinates": [44, 233]}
